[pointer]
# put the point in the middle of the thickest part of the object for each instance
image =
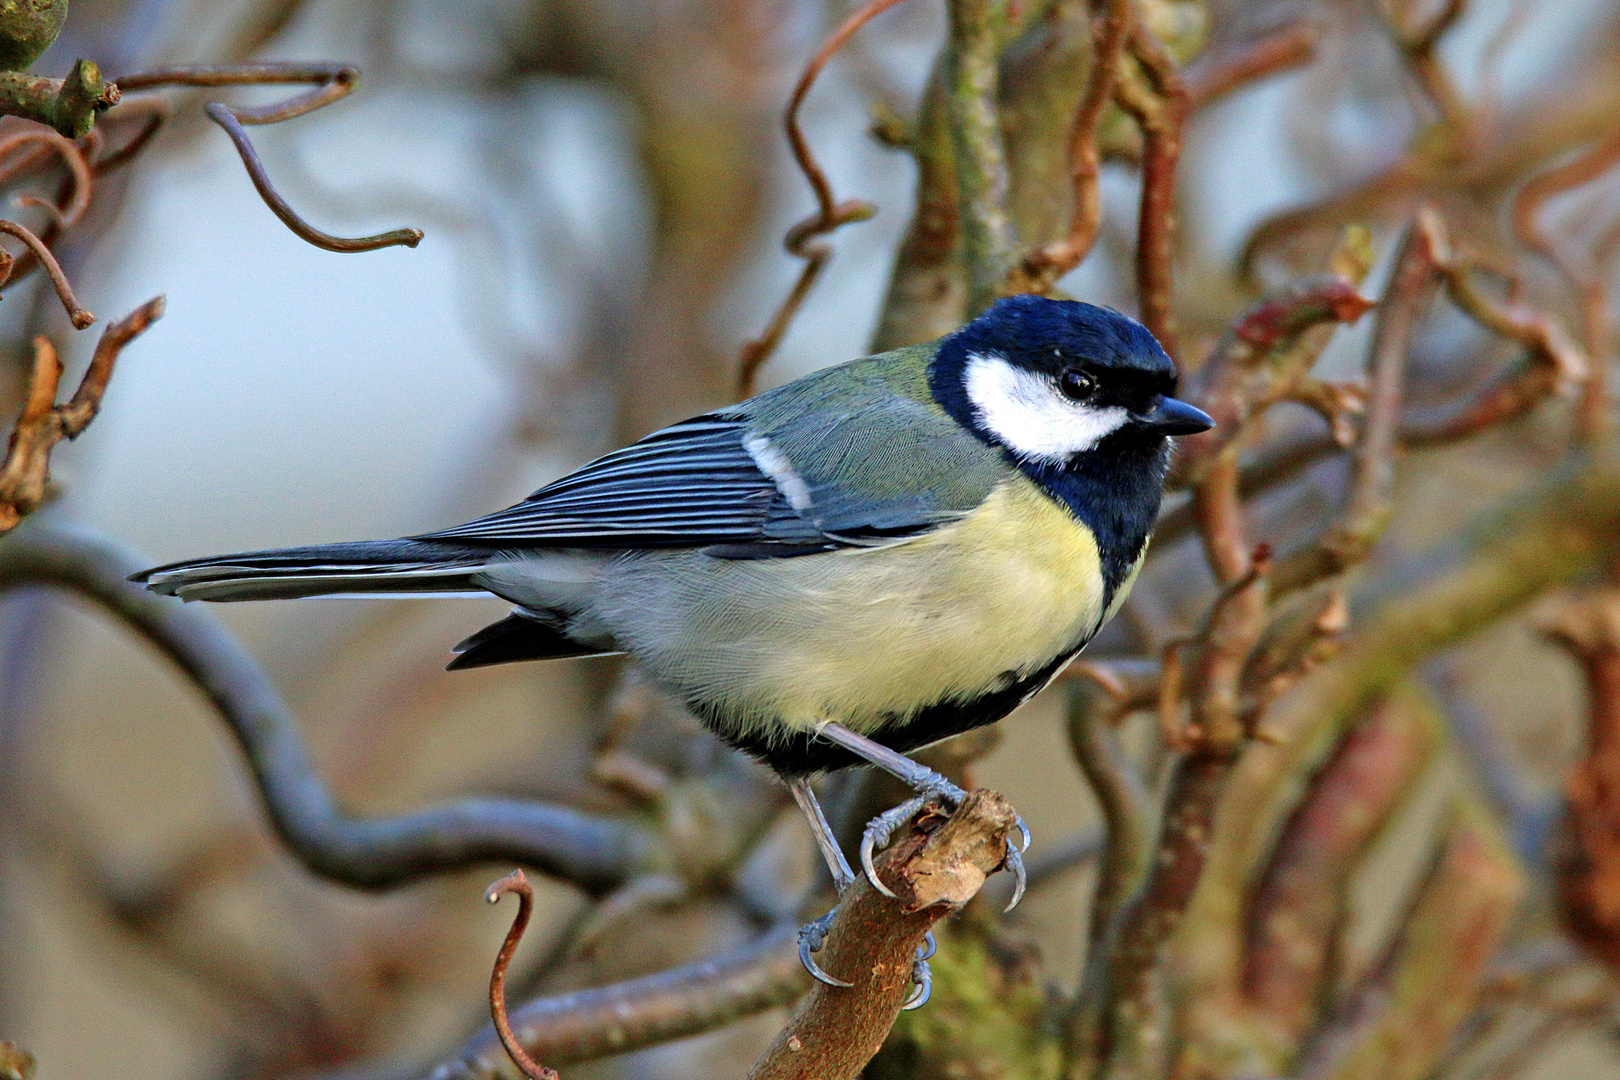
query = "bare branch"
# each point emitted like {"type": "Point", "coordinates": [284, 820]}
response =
{"type": "Point", "coordinates": [1218, 74]}
{"type": "Point", "coordinates": [1587, 872]}
{"type": "Point", "coordinates": [226, 117]}
{"type": "Point", "coordinates": [1299, 904]}
{"type": "Point", "coordinates": [1041, 268]}
{"type": "Point", "coordinates": [593, 853]}
{"type": "Point", "coordinates": [1158, 103]}
{"type": "Point", "coordinates": [1399, 1025]}
{"type": "Point", "coordinates": [1350, 539]}
{"type": "Point", "coordinates": [26, 470]}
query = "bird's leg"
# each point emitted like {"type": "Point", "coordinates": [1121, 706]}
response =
{"type": "Point", "coordinates": [805, 796]}
{"type": "Point", "coordinates": [927, 784]}
{"type": "Point", "coordinates": [813, 935]}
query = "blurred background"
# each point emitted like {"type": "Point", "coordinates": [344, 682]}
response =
{"type": "Point", "coordinates": [604, 186]}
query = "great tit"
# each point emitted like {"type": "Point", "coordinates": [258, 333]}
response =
{"type": "Point", "coordinates": [861, 562]}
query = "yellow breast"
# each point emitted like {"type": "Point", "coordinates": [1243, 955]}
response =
{"type": "Point", "coordinates": [863, 634]}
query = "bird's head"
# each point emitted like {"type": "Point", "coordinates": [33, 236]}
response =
{"type": "Point", "coordinates": [1051, 379]}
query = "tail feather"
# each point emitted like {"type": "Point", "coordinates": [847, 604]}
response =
{"type": "Point", "coordinates": [368, 568]}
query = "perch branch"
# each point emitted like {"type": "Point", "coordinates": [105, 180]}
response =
{"type": "Point", "coordinates": [935, 869]}
{"type": "Point", "coordinates": [593, 853]}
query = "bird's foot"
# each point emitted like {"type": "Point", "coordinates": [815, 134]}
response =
{"type": "Point", "coordinates": [931, 786]}
{"type": "Point", "coordinates": [811, 937]}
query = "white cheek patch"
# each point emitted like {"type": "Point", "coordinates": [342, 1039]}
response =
{"type": "Point", "coordinates": [1029, 415]}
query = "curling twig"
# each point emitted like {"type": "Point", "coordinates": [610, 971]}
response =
{"type": "Point", "coordinates": [1586, 276]}
{"type": "Point", "coordinates": [830, 213]}
{"type": "Point", "coordinates": [1045, 265]}
{"type": "Point", "coordinates": [515, 882]}
{"type": "Point", "coordinates": [332, 82]}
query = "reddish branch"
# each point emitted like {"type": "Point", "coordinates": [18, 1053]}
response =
{"type": "Point", "coordinates": [830, 213]}
{"type": "Point", "coordinates": [25, 474]}
{"type": "Point", "coordinates": [1158, 104]}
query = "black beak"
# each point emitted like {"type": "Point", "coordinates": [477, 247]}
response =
{"type": "Point", "coordinates": [1174, 417]}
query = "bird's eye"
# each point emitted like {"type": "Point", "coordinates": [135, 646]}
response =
{"type": "Point", "coordinates": [1076, 384]}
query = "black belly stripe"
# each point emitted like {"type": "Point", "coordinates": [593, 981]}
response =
{"type": "Point", "coordinates": [802, 753]}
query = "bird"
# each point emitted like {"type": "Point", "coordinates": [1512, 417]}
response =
{"type": "Point", "coordinates": [864, 561]}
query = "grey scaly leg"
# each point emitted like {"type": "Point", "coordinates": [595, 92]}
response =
{"type": "Point", "coordinates": [813, 935]}
{"type": "Point", "coordinates": [927, 784]}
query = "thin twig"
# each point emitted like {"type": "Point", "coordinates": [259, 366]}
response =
{"type": "Point", "coordinates": [332, 82]}
{"type": "Point", "coordinates": [80, 317]}
{"type": "Point", "coordinates": [1586, 276]}
{"type": "Point", "coordinates": [226, 117]}
{"type": "Point", "coordinates": [515, 882]}
{"type": "Point", "coordinates": [1406, 301]}
{"type": "Point", "coordinates": [830, 214]}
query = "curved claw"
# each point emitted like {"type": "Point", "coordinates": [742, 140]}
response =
{"type": "Point", "coordinates": [1024, 829]}
{"type": "Point", "coordinates": [928, 948]}
{"type": "Point", "coordinates": [868, 843]}
{"type": "Point", "coordinates": [1015, 863]}
{"type": "Point", "coordinates": [811, 938]}
{"type": "Point", "coordinates": [925, 985]}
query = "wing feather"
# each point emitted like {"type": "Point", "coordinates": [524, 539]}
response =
{"type": "Point", "coordinates": [852, 457]}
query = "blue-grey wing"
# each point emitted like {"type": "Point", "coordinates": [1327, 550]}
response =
{"type": "Point", "coordinates": [691, 484]}
{"type": "Point", "coordinates": [819, 464]}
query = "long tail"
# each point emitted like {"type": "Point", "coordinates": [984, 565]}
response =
{"type": "Point", "coordinates": [369, 568]}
